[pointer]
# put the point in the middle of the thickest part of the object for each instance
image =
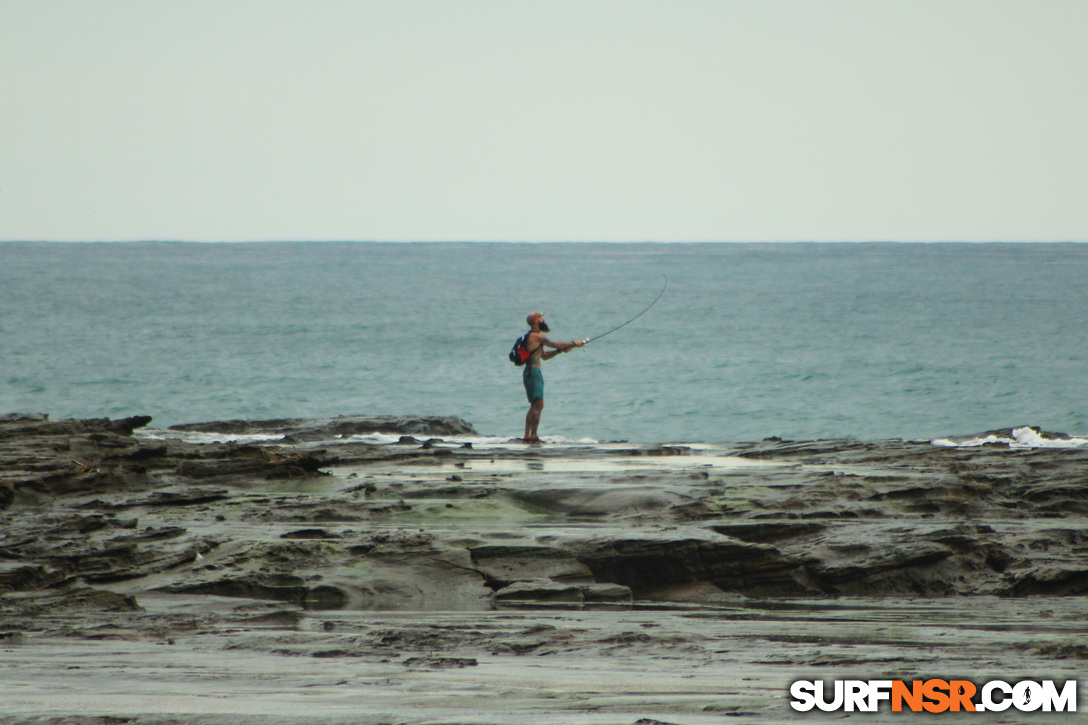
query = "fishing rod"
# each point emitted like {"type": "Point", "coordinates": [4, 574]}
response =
{"type": "Point", "coordinates": [598, 337]}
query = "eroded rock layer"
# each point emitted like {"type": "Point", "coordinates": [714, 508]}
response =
{"type": "Point", "coordinates": [326, 521]}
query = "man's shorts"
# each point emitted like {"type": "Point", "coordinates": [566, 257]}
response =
{"type": "Point", "coordinates": [534, 383]}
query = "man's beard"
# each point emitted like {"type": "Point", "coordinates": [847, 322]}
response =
{"type": "Point", "coordinates": [544, 326]}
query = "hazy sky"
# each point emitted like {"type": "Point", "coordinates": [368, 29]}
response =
{"type": "Point", "coordinates": [544, 120]}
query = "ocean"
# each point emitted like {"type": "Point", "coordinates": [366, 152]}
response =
{"type": "Point", "coordinates": [749, 341]}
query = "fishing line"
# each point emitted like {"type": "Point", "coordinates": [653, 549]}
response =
{"type": "Point", "coordinates": [598, 337]}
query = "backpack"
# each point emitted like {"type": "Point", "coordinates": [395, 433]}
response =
{"type": "Point", "coordinates": [519, 353]}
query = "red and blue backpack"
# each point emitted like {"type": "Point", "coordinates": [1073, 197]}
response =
{"type": "Point", "coordinates": [519, 353]}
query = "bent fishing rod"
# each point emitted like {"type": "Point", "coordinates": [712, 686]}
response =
{"type": "Point", "coordinates": [598, 337]}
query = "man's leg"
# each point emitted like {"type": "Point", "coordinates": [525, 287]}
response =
{"type": "Point", "coordinates": [532, 419]}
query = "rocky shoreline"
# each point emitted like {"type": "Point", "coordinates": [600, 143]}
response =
{"type": "Point", "coordinates": [435, 557]}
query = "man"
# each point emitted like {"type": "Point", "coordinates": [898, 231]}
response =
{"type": "Point", "coordinates": [532, 376]}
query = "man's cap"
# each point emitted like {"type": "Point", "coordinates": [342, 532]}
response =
{"type": "Point", "coordinates": [532, 316]}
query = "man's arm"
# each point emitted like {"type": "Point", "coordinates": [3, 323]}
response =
{"type": "Point", "coordinates": [559, 347]}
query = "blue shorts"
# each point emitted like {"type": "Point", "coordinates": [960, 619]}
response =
{"type": "Point", "coordinates": [534, 383]}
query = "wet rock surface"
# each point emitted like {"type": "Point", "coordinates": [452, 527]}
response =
{"type": "Point", "coordinates": [431, 563]}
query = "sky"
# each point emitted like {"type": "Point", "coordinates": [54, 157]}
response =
{"type": "Point", "coordinates": [557, 120]}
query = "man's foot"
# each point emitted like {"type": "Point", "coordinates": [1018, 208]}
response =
{"type": "Point", "coordinates": [528, 440]}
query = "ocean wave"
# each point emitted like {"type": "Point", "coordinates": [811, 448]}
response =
{"type": "Point", "coordinates": [1022, 437]}
{"type": "Point", "coordinates": [159, 434]}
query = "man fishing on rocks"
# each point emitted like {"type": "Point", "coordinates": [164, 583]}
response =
{"type": "Point", "coordinates": [535, 342]}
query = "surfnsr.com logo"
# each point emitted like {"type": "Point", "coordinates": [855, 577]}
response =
{"type": "Point", "coordinates": [934, 695]}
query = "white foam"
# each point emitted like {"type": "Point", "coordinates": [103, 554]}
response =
{"type": "Point", "coordinates": [1024, 437]}
{"type": "Point", "coordinates": [155, 434]}
{"type": "Point", "coordinates": [1030, 438]}
{"type": "Point", "coordinates": [375, 438]}
{"type": "Point", "coordinates": [967, 442]}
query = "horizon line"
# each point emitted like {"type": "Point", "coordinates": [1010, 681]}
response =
{"type": "Point", "coordinates": [542, 241]}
